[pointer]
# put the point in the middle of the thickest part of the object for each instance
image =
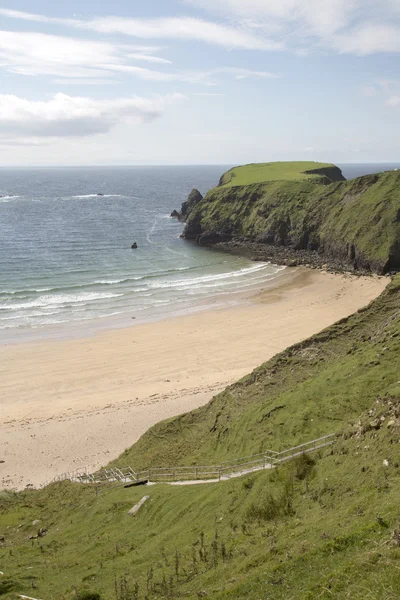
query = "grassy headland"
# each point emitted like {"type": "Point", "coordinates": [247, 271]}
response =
{"type": "Point", "coordinates": [280, 171]}
{"type": "Point", "coordinates": [345, 224]}
{"type": "Point", "coordinates": [320, 528]}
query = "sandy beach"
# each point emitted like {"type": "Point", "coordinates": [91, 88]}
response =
{"type": "Point", "coordinates": [66, 404]}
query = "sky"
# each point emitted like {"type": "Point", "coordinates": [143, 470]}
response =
{"type": "Point", "coordinates": [135, 82]}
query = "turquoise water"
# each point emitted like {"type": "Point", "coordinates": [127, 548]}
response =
{"type": "Point", "coordinates": [65, 252]}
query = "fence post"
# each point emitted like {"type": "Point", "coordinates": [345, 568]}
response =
{"type": "Point", "coordinates": [197, 470]}
{"type": "Point", "coordinates": [219, 478]}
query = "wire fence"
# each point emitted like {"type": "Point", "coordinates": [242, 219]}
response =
{"type": "Point", "coordinates": [196, 473]}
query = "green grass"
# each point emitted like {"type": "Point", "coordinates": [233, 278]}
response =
{"type": "Point", "coordinates": [320, 528]}
{"type": "Point", "coordinates": [272, 534]}
{"type": "Point", "coordinates": [273, 171]}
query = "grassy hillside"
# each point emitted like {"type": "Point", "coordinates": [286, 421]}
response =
{"type": "Point", "coordinates": [351, 224]}
{"type": "Point", "coordinates": [321, 528]}
{"type": "Point", "coordinates": [278, 171]}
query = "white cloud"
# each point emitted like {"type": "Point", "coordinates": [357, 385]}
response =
{"type": "Point", "coordinates": [387, 90]}
{"type": "Point", "coordinates": [209, 94]}
{"type": "Point", "coordinates": [148, 58]}
{"type": "Point", "coordinates": [27, 53]}
{"type": "Point", "coordinates": [75, 116]}
{"type": "Point", "coordinates": [31, 53]}
{"type": "Point", "coordinates": [369, 39]}
{"type": "Point", "coordinates": [317, 15]}
{"type": "Point", "coordinates": [25, 16]}
{"type": "Point", "coordinates": [358, 27]}
{"type": "Point", "coordinates": [393, 101]}
{"type": "Point", "coordinates": [81, 81]}
{"type": "Point", "coordinates": [172, 28]}
{"type": "Point", "coordinates": [240, 73]}
{"type": "Point", "coordinates": [183, 28]}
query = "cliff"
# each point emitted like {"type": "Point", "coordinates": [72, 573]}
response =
{"type": "Point", "coordinates": [345, 224]}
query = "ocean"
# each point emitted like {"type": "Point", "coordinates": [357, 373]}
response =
{"type": "Point", "coordinates": [66, 257]}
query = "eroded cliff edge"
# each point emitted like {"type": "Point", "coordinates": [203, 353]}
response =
{"type": "Point", "coordinates": [344, 224]}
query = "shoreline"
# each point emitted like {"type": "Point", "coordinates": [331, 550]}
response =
{"type": "Point", "coordinates": [80, 402]}
{"type": "Point", "coordinates": [91, 327]}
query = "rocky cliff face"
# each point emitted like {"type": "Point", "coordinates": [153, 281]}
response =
{"type": "Point", "coordinates": [348, 224]}
{"type": "Point", "coordinates": [193, 199]}
{"type": "Point", "coordinates": [329, 174]}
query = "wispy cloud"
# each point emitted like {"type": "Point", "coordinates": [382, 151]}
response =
{"type": "Point", "coordinates": [359, 27]}
{"type": "Point", "coordinates": [369, 38]}
{"type": "Point", "coordinates": [141, 56]}
{"type": "Point", "coordinates": [385, 90]}
{"type": "Point", "coordinates": [240, 73]}
{"type": "Point", "coordinates": [393, 101]}
{"type": "Point", "coordinates": [81, 81]}
{"type": "Point", "coordinates": [26, 16]}
{"type": "Point", "coordinates": [209, 94]}
{"type": "Point", "coordinates": [170, 28]}
{"type": "Point", "coordinates": [27, 53]}
{"type": "Point", "coordinates": [76, 116]}
{"type": "Point", "coordinates": [32, 53]}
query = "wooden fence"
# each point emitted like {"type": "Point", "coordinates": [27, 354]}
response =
{"type": "Point", "coordinates": [200, 474]}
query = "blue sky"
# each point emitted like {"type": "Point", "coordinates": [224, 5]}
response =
{"type": "Point", "coordinates": [199, 81]}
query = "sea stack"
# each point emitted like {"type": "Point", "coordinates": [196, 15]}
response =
{"type": "Point", "coordinates": [193, 199]}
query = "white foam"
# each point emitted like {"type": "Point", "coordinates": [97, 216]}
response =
{"type": "Point", "coordinates": [55, 300]}
{"type": "Point", "coordinates": [6, 199]}
{"type": "Point", "coordinates": [108, 281]}
{"type": "Point", "coordinates": [83, 196]}
{"type": "Point", "coordinates": [209, 278]}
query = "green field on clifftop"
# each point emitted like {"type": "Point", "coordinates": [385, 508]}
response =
{"type": "Point", "coordinates": [272, 171]}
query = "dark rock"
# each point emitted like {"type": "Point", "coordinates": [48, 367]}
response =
{"type": "Point", "coordinates": [213, 237]}
{"type": "Point", "coordinates": [134, 246]}
{"type": "Point", "coordinates": [100, 194]}
{"type": "Point", "coordinates": [187, 207]}
{"type": "Point", "coordinates": [328, 174]}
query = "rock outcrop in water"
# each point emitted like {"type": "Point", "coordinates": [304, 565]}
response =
{"type": "Point", "coordinates": [343, 225]}
{"type": "Point", "coordinates": [187, 207]}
